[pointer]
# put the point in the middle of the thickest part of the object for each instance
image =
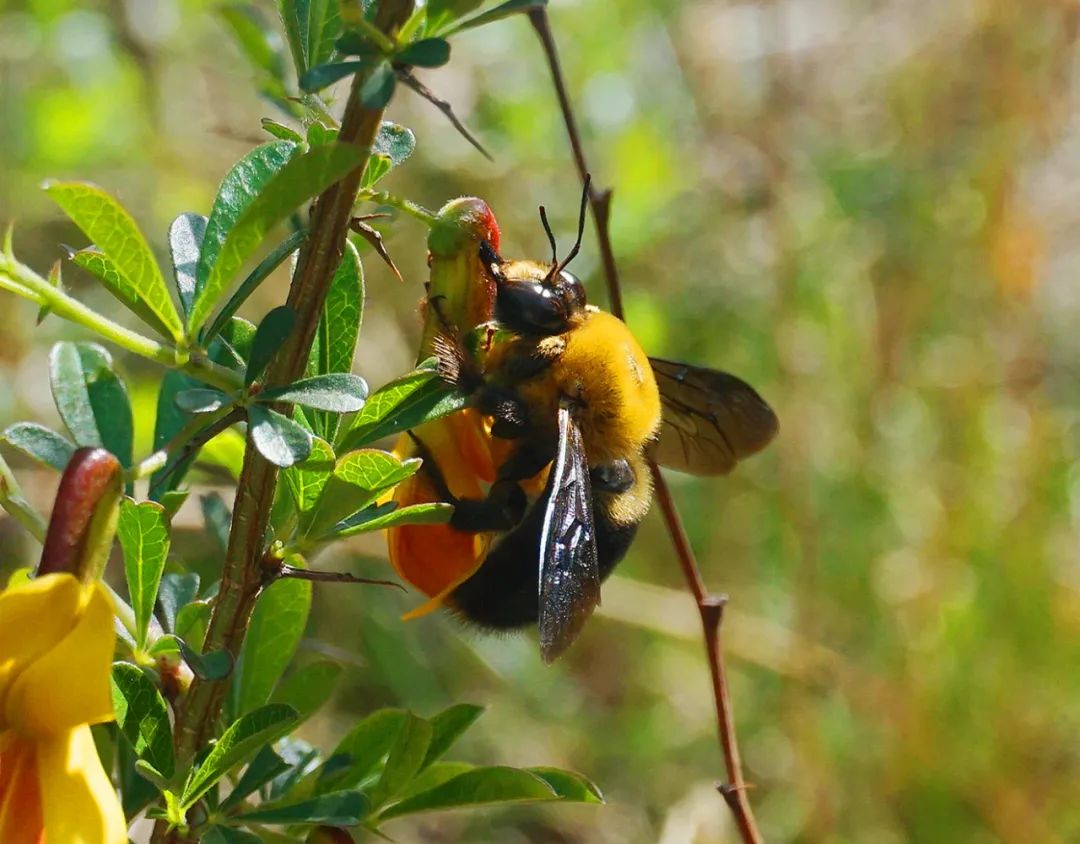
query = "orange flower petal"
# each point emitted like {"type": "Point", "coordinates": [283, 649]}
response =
{"type": "Point", "coordinates": [20, 794]}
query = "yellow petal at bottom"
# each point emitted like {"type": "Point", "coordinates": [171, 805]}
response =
{"type": "Point", "coordinates": [79, 804]}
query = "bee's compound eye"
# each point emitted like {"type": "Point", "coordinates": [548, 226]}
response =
{"type": "Point", "coordinates": [531, 307]}
{"type": "Point", "coordinates": [572, 289]}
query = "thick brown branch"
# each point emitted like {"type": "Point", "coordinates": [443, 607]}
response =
{"type": "Point", "coordinates": [711, 608]}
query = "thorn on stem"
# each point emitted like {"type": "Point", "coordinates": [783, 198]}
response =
{"type": "Point", "coordinates": [420, 88]}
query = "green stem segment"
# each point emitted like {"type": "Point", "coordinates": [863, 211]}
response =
{"type": "Point", "coordinates": [23, 281]}
{"type": "Point", "coordinates": [242, 574]}
{"type": "Point", "coordinates": [13, 500]}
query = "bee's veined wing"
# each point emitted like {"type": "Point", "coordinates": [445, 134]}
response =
{"type": "Point", "coordinates": [711, 420]}
{"type": "Point", "coordinates": [569, 570]}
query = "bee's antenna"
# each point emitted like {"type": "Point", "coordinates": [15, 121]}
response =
{"type": "Point", "coordinates": [550, 235]}
{"type": "Point", "coordinates": [580, 227]}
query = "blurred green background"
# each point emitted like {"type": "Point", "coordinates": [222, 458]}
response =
{"type": "Point", "coordinates": [869, 210]}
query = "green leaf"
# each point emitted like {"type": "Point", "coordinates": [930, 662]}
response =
{"type": "Point", "coordinates": [281, 131]}
{"type": "Point", "coordinates": [264, 767]}
{"type": "Point", "coordinates": [358, 480]}
{"type": "Point", "coordinates": [279, 439]}
{"type": "Point", "coordinates": [201, 400]}
{"type": "Point", "coordinates": [218, 519]}
{"type": "Point", "coordinates": [390, 515]}
{"type": "Point", "coordinates": [366, 744]}
{"type": "Point", "coordinates": [405, 760]}
{"type": "Point", "coordinates": [307, 688]}
{"type": "Point", "coordinates": [480, 786]}
{"type": "Point", "coordinates": [41, 443]}
{"type": "Point", "coordinates": [241, 740]}
{"type": "Point", "coordinates": [259, 41]}
{"type": "Point", "coordinates": [448, 726]}
{"type": "Point", "coordinates": [250, 284]}
{"type": "Point", "coordinates": [307, 479]}
{"type": "Point", "coordinates": [409, 401]}
{"type": "Point", "coordinates": [168, 422]}
{"type": "Point", "coordinates": [191, 623]}
{"type": "Point", "coordinates": [142, 716]}
{"type": "Point", "coordinates": [185, 240]}
{"type": "Point", "coordinates": [377, 90]}
{"type": "Point", "coordinates": [175, 591]}
{"type": "Point", "coordinates": [113, 231]}
{"type": "Point", "coordinates": [144, 537]}
{"type": "Point", "coordinates": [276, 628]}
{"type": "Point", "coordinates": [303, 177]}
{"type": "Point", "coordinates": [92, 400]}
{"type": "Point", "coordinates": [336, 392]}
{"type": "Point", "coordinates": [94, 261]}
{"type": "Point", "coordinates": [441, 13]}
{"type": "Point", "coordinates": [228, 835]}
{"type": "Point", "coordinates": [394, 141]}
{"type": "Point", "coordinates": [312, 27]}
{"type": "Point", "coordinates": [172, 501]}
{"type": "Point", "coordinates": [355, 42]}
{"type": "Point", "coordinates": [427, 52]}
{"type": "Point", "coordinates": [338, 808]}
{"type": "Point", "coordinates": [504, 10]}
{"type": "Point", "coordinates": [271, 334]}
{"type": "Point", "coordinates": [238, 191]}
{"type": "Point", "coordinates": [338, 331]}
{"type": "Point", "coordinates": [568, 785]}
{"type": "Point", "coordinates": [325, 75]}
{"type": "Point", "coordinates": [216, 665]}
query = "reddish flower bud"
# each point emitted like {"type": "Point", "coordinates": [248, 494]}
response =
{"type": "Point", "coordinates": [329, 835]}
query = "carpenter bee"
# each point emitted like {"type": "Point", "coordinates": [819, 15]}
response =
{"type": "Point", "coordinates": [581, 410]}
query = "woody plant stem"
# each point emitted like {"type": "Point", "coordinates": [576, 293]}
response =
{"type": "Point", "coordinates": [242, 574]}
{"type": "Point", "coordinates": [710, 607]}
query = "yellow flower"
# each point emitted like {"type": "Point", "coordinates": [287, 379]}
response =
{"type": "Point", "coordinates": [56, 648]}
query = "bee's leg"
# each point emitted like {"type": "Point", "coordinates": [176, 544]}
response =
{"type": "Point", "coordinates": [616, 476]}
{"type": "Point", "coordinates": [502, 509]}
{"type": "Point", "coordinates": [509, 413]}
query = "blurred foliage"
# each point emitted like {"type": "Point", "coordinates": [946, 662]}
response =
{"type": "Point", "coordinates": [865, 209]}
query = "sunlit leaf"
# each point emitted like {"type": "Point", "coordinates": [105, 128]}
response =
{"type": "Point", "coordinates": [91, 398]}
{"type": "Point", "coordinates": [405, 759]}
{"type": "Point", "coordinates": [144, 537]}
{"type": "Point", "coordinates": [480, 786]}
{"type": "Point", "coordinates": [41, 443]}
{"type": "Point", "coordinates": [94, 261]}
{"type": "Point", "coordinates": [415, 398]}
{"type": "Point", "coordinates": [338, 808]}
{"type": "Point", "coordinates": [279, 439]}
{"type": "Point", "coordinates": [335, 392]}
{"type": "Point", "coordinates": [427, 52]}
{"type": "Point", "coordinates": [185, 240]}
{"type": "Point", "coordinates": [142, 716]}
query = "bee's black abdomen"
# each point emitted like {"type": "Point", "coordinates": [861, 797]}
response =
{"type": "Point", "coordinates": [504, 592]}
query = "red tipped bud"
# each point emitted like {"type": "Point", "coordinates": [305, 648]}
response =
{"type": "Point", "coordinates": [463, 223]}
{"type": "Point", "coordinates": [84, 515]}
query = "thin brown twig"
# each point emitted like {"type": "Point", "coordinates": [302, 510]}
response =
{"type": "Point", "coordinates": [330, 577]}
{"type": "Point", "coordinates": [710, 607]}
{"type": "Point", "coordinates": [410, 81]}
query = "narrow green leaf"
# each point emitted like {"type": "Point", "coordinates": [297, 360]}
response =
{"type": "Point", "coordinates": [144, 537]}
{"type": "Point", "coordinates": [216, 665]}
{"type": "Point", "coordinates": [338, 808]}
{"type": "Point", "coordinates": [92, 400]}
{"type": "Point", "coordinates": [324, 75]}
{"type": "Point", "coordinates": [279, 439]}
{"type": "Point", "coordinates": [378, 89]}
{"type": "Point", "coordinates": [448, 726]}
{"type": "Point", "coordinates": [259, 41]}
{"type": "Point", "coordinates": [229, 835]}
{"type": "Point", "coordinates": [250, 284]}
{"type": "Point", "coordinates": [185, 240]}
{"type": "Point", "coordinates": [417, 397]}
{"type": "Point", "coordinates": [354, 42]}
{"type": "Point", "coordinates": [312, 26]}
{"type": "Point", "coordinates": [405, 760]}
{"type": "Point", "coordinates": [441, 13]}
{"type": "Point", "coordinates": [366, 744]}
{"type": "Point", "coordinates": [435, 774]}
{"type": "Point", "coordinates": [504, 10]}
{"type": "Point", "coordinates": [271, 334]}
{"type": "Point", "coordinates": [264, 767]}
{"type": "Point", "coordinates": [335, 392]}
{"type": "Point", "coordinates": [114, 232]}
{"type": "Point", "coordinates": [281, 131]}
{"type": "Point", "coordinates": [94, 261]}
{"type": "Point", "coordinates": [192, 621]}
{"type": "Point", "coordinates": [338, 330]}
{"type": "Point", "coordinates": [307, 688]}
{"type": "Point", "coordinates": [480, 786]}
{"type": "Point", "coordinates": [427, 52]}
{"type": "Point", "coordinates": [302, 759]}
{"type": "Point", "coordinates": [168, 422]}
{"type": "Point", "coordinates": [238, 190]}
{"type": "Point", "coordinates": [390, 515]}
{"type": "Point", "coordinates": [41, 443]}
{"type": "Point", "coordinates": [303, 177]}
{"type": "Point", "coordinates": [358, 480]}
{"type": "Point", "coordinates": [306, 480]}
{"type": "Point", "coordinates": [568, 785]}
{"type": "Point", "coordinates": [172, 501]}
{"type": "Point", "coordinates": [240, 741]}
{"type": "Point", "coordinates": [175, 591]}
{"type": "Point", "coordinates": [201, 400]}
{"type": "Point", "coordinates": [142, 716]}
{"type": "Point", "coordinates": [276, 628]}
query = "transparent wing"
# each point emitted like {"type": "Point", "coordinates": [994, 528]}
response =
{"type": "Point", "coordinates": [569, 572]}
{"type": "Point", "coordinates": [711, 420]}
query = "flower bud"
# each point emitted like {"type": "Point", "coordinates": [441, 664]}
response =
{"type": "Point", "coordinates": [329, 835]}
